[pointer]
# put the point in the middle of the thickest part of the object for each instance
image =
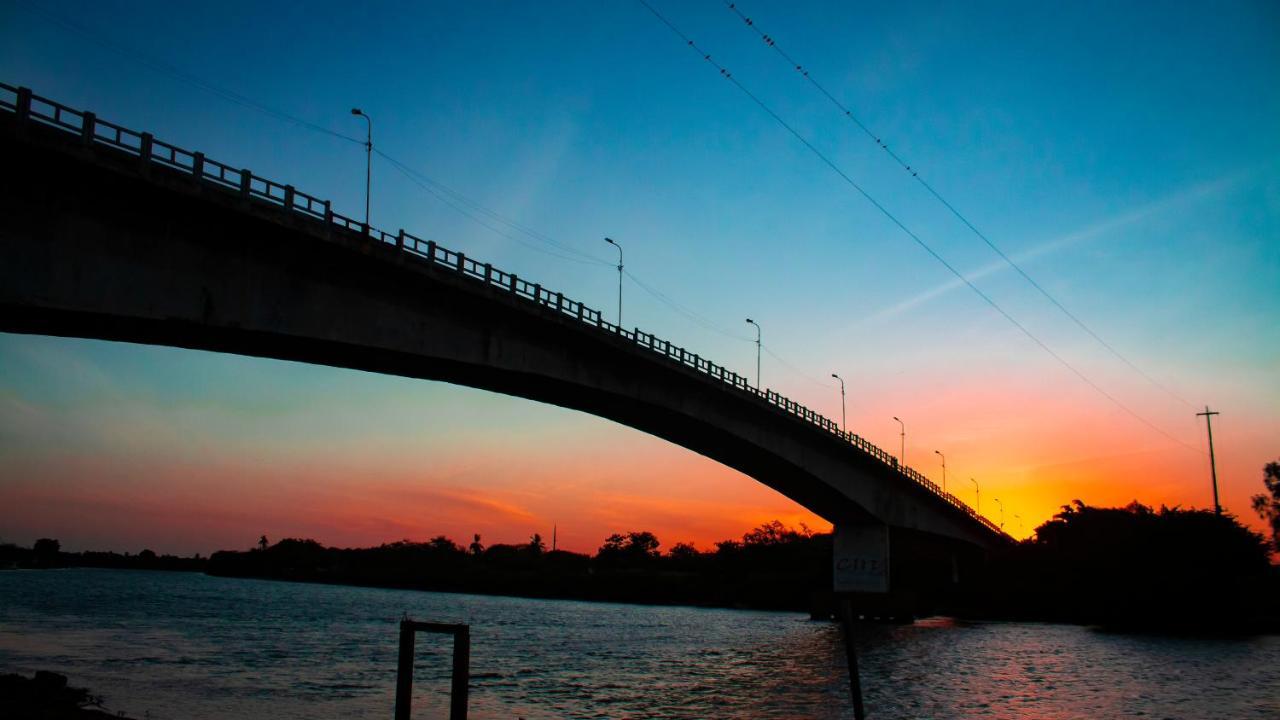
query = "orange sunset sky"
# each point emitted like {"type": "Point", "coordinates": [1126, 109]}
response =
{"type": "Point", "coordinates": [1134, 175]}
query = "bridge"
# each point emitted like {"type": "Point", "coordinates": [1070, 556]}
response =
{"type": "Point", "coordinates": [112, 234]}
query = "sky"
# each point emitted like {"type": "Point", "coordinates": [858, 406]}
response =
{"type": "Point", "coordinates": [1125, 155]}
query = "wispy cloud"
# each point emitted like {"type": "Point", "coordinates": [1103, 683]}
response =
{"type": "Point", "coordinates": [1194, 194]}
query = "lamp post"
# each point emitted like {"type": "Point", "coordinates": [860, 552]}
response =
{"type": "Point", "coordinates": [977, 496]}
{"type": "Point", "coordinates": [1018, 517]}
{"type": "Point", "coordinates": [368, 162]}
{"type": "Point", "coordinates": [757, 326]}
{"type": "Point", "coordinates": [842, 424]}
{"type": "Point", "coordinates": [1001, 512]}
{"type": "Point", "coordinates": [902, 439]}
{"type": "Point", "coordinates": [944, 469]}
{"type": "Point", "coordinates": [614, 243]}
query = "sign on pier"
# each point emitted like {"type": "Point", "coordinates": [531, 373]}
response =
{"type": "Point", "coordinates": [861, 559]}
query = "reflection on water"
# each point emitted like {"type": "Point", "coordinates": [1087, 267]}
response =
{"type": "Point", "coordinates": [190, 646]}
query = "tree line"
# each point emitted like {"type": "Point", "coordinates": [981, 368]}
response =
{"type": "Point", "coordinates": [771, 566]}
{"type": "Point", "coordinates": [46, 553]}
{"type": "Point", "coordinates": [1133, 565]}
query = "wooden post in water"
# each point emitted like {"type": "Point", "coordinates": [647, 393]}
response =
{"type": "Point", "coordinates": [461, 673]}
{"type": "Point", "coordinates": [461, 680]}
{"type": "Point", "coordinates": [404, 671]}
{"type": "Point", "coordinates": [851, 655]}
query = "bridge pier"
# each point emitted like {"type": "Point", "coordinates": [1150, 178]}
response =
{"type": "Point", "coordinates": [861, 576]}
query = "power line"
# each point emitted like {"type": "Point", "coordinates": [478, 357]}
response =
{"type": "Point", "coordinates": [711, 325]}
{"type": "Point", "coordinates": [426, 184]}
{"type": "Point", "coordinates": [455, 200]}
{"type": "Point", "coordinates": [431, 186]}
{"type": "Point", "coordinates": [438, 189]}
{"type": "Point", "coordinates": [494, 215]}
{"type": "Point", "coordinates": [770, 41]}
{"type": "Point", "coordinates": [726, 74]}
{"type": "Point", "coordinates": [167, 69]}
{"type": "Point", "coordinates": [797, 371]}
{"type": "Point", "coordinates": [688, 313]}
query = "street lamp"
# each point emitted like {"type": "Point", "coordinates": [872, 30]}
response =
{"type": "Point", "coordinates": [1018, 517]}
{"type": "Point", "coordinates": [842, 425]}
{"type": "Point", "coordinates": [902, 439]}
{"type": "Point", "coordinates": [614, 243]}
{"type": "Point", "coordinates": [1001, 512]}
{"type": "Point", "coordinates": [757, 326]}
{"type": "Point", "coordinates": [977, 495]}
{"type": "Point", "coordinates": [368, 163]}
{"type": "Point", "coordinates": [944, 469]}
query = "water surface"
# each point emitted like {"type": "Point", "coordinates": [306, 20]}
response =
{"type": "Point", "coordinates": [183, 645]}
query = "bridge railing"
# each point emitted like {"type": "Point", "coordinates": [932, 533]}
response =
{"type": "Point", "coordinates": [28, 107]}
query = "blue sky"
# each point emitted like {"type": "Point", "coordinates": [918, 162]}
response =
{"type": "Point", "coordinates": [1126, 154]}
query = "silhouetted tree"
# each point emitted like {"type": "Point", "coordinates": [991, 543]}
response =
{"type": "Point", "coordinates": [46, 552]}
{"type": "Point", "coordinates": [727, 547]}
{"type": "Point", "coordinates": [262, 543]}
{"type": "Point", "coordinates": [1132, 565]}
{"type": "Point", "coordinates": [476, 548]}
{"type": "Point", "coordinates": [632, 547]}
{"type": "Point", "coordinates": [1268, 504]}
{"type": "Point", "coordinates": [775, 533]}
{"type": "Point", "coordinates": [440, 543]}
{"type": "Point", "coordinates": [147, 554]}
{"type": "Point", "coordinates": [643, 543]}
{"type": "Point", "coordinates": [536, 545]}
{"type": "Point", "coordinates": [683, 551]}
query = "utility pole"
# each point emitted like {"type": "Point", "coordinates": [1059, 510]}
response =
{"type": "Point", "coordinates": [842, 425]}
{"type": "Point", "coordinates": [614, 243]}
{"type": "Point", "coordinates": [1213, 465]}
{"type": "Point", "coordinates": [757, 326]}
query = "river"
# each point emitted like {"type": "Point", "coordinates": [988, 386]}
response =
{"type": "Point", "coordinates": [184, 645]}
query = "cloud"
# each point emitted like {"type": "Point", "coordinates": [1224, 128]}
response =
{"type": "Point", "coordinates": [1196, 193]}
{"type": "Point", "coordinates": [453, 500]}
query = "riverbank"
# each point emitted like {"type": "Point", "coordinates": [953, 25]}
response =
{"type": "Point", "coordinates": [47, 696]}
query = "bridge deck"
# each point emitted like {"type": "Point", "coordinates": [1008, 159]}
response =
{"type": "Point", "coordinates": [159, 162]}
